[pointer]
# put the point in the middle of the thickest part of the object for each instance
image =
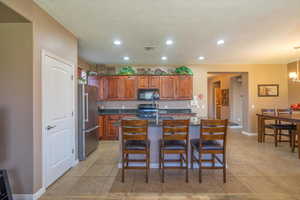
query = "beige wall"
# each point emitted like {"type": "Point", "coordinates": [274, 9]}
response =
{"type": "Point", "coordinates": [293, 87]}
{"type": "Point", "coordinates": [16, 107]}
{"type": "Point", "coordinates": [51, 36]}
{"type": "Point", "coordinates": [257, 74]}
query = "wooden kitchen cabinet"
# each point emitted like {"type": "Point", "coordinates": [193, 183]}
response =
{"type": "Point", "coordinates": [101, 127]}
{"type": "Point", "coordinates": [143, 82]}
{"type": "Point", "coordinates": [184, 87]}
{"type": "Point", "coordinates": [112, 87]}
{"type": "Point", "coordinates": [109, 131]}
{"type": "Point", "coordinates": [128, 87]}
{"type": "Point", "coordinates": [167, 87]}
{"type": "Point", "coordinates": [119, 88]}
{"type": "Point", "coordinates": [154, 81]}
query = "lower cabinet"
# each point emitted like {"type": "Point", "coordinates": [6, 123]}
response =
{"type": "Point", "coordinates": [107, 128]}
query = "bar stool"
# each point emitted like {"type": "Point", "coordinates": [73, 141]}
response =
{"type": "Point", "coordinates": [174, 140]}
{"type": "Point", "coordinates": [212, 141]}
{"type": "Point", "coordinates": [135, 141]}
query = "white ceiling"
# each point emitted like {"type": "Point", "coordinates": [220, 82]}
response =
{"type": "Point", "coordinates": [255, 31]}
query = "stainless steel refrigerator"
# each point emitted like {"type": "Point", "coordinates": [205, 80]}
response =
{"type": "Point", "coordinates": [87, 120]}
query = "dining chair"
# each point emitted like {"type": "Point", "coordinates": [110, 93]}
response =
{"type": "Point", "coordinates": [282, 127]}
{"type": "Point", "coordinates": [269, 125]}
{"type": "Point", "coordinates": [175, 139]}
{"type": "Point", "coordinates": [212, 142]}
{"type": "Point", "coordinates": [135, 141]}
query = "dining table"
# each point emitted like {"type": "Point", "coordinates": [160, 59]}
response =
{"type": "Point", "coordinates": [293, 118]}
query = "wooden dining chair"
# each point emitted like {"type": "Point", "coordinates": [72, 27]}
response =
{"type": "Point", "coordinates": [175, 139]}
{"type": "Point", "coordinates": [268, 125]}
{"type": "Point", "coordinates": [281, 128]}
{"type": "Point", "coordinates": [135, 141]}
{"type": "Point", "coordinates": [295, 139]}
{"type": "Point", "coordinates": [212, 141]}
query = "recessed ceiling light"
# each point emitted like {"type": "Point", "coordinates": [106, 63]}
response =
{"type": "Point", "coordinates": [169, 42]}
{"type": "Point", "coordinates": [126, 58]}
{"type": "Point", "coordinates": [164, 58]}
{"type": "Point", "coordinates": [117, 42]}
{"type": "Point", "coordinates": [220, 42]}
{"type": "Point", "coordinates": [201, 58]}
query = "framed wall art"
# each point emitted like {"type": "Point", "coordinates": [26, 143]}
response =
{"type": "Point", "coordinates": [268, 90]}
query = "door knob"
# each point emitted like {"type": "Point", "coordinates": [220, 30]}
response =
{"type": "Point", "coordinates": [50, 127]}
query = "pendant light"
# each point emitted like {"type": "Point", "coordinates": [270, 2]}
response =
{"type": "Point", "coordinates": [294, 76]}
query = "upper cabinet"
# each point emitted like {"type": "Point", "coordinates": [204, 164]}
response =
{"type": "Point", "coordinates": [173, 87]}
{"type": "Point", "coordinates": [167, 87]}
{"type": "Point", "coordinates": [143, 82]}
{"type": "Point", "coordinates": [128, 87]}
{"type": "Point", "coordinates": [184, 87]}
{"type": "Point", "coordinates": [154, 81]}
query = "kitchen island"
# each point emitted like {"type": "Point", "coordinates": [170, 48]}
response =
{"type": "Point", "coordinates": [155, 134]}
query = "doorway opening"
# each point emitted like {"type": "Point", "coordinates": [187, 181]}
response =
{"type": "Point", "coordinates": [228, 97]}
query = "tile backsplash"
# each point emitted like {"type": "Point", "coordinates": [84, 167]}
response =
{"type": "Point", "coordinates": [134, 104]}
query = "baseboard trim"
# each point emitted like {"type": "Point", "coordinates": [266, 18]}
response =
{"type": "Point", "coordinates": [34, 196]}
{"type": "Point", "coordinates": [75, 162]}
{"type": "Point", "coordinates": [249, 134]}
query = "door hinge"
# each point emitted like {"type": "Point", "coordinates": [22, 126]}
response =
{"type": "Point", "coordinates": [72, 113]}
{"type": "Point", "coordinates": [72, 77]}
{"type": "Point", "coordinates": [72, 151]}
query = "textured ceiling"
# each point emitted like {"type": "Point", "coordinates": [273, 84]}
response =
{"type": "Point", "coordinates": [255, 31]}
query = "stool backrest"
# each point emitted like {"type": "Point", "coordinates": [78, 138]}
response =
{"type": "Point", "coordinates": [268, 111]}
{"type": "Point", "coordinates": [214, 130]}
{"type": "Point", "coordinates": [176, 129]}
{"type": "Point", "coordinates": [134, 130]}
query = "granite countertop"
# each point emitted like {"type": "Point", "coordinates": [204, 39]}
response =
{"type": "Point", "coordinates": [134, 111]}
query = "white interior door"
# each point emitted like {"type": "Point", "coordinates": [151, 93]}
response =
{"type": "Point", "coordinates": [58, 104]}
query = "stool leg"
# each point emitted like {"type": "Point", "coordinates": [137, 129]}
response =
{"type": "Point", "coordinates": [276, 137]}
{"type": "Point", "coordinates": [224, 168]}
{"type": "Point", "coordinates": [200, 168]}
{"type": "Point", "coordinates": [147, 166]}
{"type": "Point", "coordinates": [293, 141]}
{"type": "Point", "coordinates": [123, 168]}
{"type": "Point", "coordinates": [192, 157]}
{"type": "Point", "coordinates": [163, 166]}
{"type": "Point", "coordinates": [187, 165]}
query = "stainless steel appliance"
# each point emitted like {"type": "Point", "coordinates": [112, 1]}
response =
{"type": "Point", "coordinates": [148, 94]}
{"type": "Point", "coordinates": [147, 111]}
{"type": "Point", "coordinates": [87, 120]}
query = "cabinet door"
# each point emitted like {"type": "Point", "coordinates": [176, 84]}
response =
{"type": "Point", "coordinates": [101, 127]}
{"type": "Point", "coordinates": [154, 81]}
{"type": "Point", "coordinates": [167, 87]}
{"type": "Point", "coordinates": [184, 87]}
{"type": "Point", "coordinates": [143, 82]}
{"type": "Point", "coordinates": [112, 87]}
{"type": "Point", "coordinates": [111, 131]}
{"type": "Point", "coordinates": [129, 88]}
{"type": "Point", "coordinates": [101, 95]}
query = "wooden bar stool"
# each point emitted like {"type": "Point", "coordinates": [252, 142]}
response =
{"type": "Point", "coordinates": [212, 141]}
{"type": "Point", "coordinates": [135, 141]}
{"type": "Point", "coordinates": [174, 140]}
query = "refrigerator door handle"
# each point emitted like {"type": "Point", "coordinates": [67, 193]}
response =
{"type": "Point", "coordinates": [86, 105]}
{"type": "Point", "coordinates": [91, 129]}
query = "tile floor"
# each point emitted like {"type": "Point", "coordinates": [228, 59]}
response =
{"type": "Point", "coordinates": [255, 171]}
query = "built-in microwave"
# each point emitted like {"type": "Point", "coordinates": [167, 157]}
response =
{"type": "Point", "coordinates": [148, 94]}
